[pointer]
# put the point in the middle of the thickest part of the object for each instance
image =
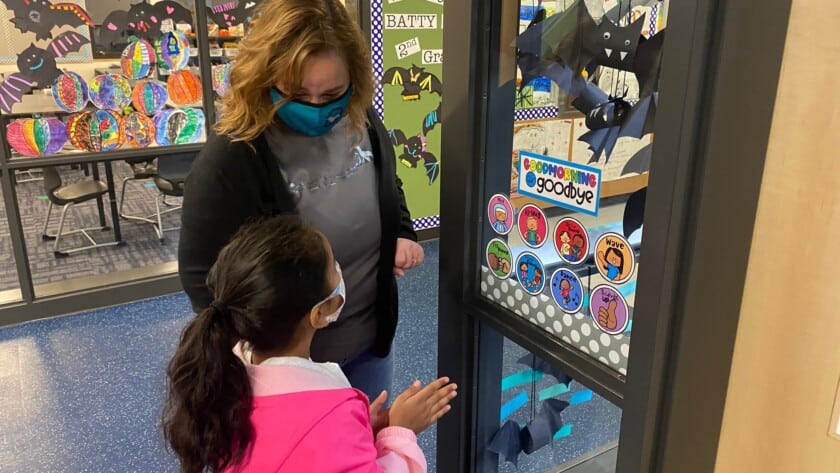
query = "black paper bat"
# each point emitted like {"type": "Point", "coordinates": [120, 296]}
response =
{"type": "Point", "coordinates": [507, 442]}
{"type": "Point", "coordinates": [569, 46]}
{"type": "Point", "coordinates": [231, 13]}
{"type": "Point", "coordinates": [41, 16]}
{"type": "Point", "coordinates": [431, 119]}
{"type": "Point", "coordinates": [414, 149]}
{"type": "Point", "coordinates": [551, 410]}
{"type": "Point", "coordinates": [543, 366]}
{"type": "Point", "coordinates": [413, 81]}
{"type": "Point", "coordinates": [12, 89]}
{"type": "Point", "coordinates": [640, 162]}
{"type": "Point", "coordinates": [142, 20]}
{"type": "Point", "coordinates": [634, 212]}
{"type": "Point", "coordinates": [39, 66]}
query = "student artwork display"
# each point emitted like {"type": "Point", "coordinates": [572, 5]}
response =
{"type": "Point", "coordinates": [415, 150]}
{"type": "Point", "coordinates": [176, 126]}
{"type": "Point", "coordinates": [173, 51]}
{"type": "Point", "coordinates": [184, 88]}
{"type": "Point", "coordinates": [221, 78]}
{"type": "Point", "coordinates": [230, 14]}
{"type": "Point", "coordinates": [138, 130]}
{"type": "Point", "coordinates": [70, 92]}
{"type": "Point", "coordinates": [36, 136]}
{"type": "Point", "coordinates": [110, 92]}
{"type": "Point", "coordinates": [41, 16]}
{"type": "Point", "coordinates": [143, 20]}
{"type": "Point", "coordinates": [97, 130]}
{"type": "Point", "coordinates": [138, 59]}
{"type": "Point", "coordinates": [149, 97]}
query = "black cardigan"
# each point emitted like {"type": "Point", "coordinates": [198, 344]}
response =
{"type": "Point", "coordinates": [229, 184]}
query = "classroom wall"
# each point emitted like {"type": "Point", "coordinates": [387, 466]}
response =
{"type": "Point", "coordinates": [786, 363]}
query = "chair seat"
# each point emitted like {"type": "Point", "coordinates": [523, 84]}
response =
{"type": "Point", "coordinates": [144, 171]}
{"type": "Point", "coordinates": [171, 188]}
{"type": "Point", "coordinates": [79, 192]}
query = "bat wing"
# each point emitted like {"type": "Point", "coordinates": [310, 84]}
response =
{"type": "Point", "coordinates": [397, 137]}
{"type": "Point", "coordinates": [646, 64]}
{"type": "Point", "coordinates": [114, 29]}
{"type": "Point", "coordinates": [634, 212]}
{"type": "Point", "coordinates": [551, 410]}
{"type": "Point", "coordinates": [640, 119]}
{"type": "Point", "coordinates": [601, 142]}
{"type": "Point", "coordinates": [565, 37]}
{"type": "Point", "coordinates": [431, 120]}
{"type": "Point", "coordinates": [67, 42]}
{"type": "Point", "coordinates": [395, 76]}
{"type": "Point", "coordinates": [507, 442]}
{"type": "Point", "coordinates": [430, 83]}
{"type": "Point", "coordinates": [174, 11]}
{"type": "Point", "coordinates": [12, 90]}
{"type": "Point", "coordinates": [543, 366]}
{"type": "Point", "coordinates": [70, 14]}
{"type": "Point", "coordinates": [639, 163]}
{"type": "Point", "coordinates": [536, 435]}
{"type": "Point", "coordinates": [432, 166]}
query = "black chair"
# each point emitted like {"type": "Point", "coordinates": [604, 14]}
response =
{"type": "Point", "coordinates": [67, 196]}
{"type": "Point", "coordinates": [172, 171]}
{"type": "Point", "coordinates": [141, 169]}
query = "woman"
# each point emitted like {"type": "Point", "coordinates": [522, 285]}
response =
{"type": "Point", "coordinates": [297, 135]}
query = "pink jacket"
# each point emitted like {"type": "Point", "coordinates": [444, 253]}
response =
{"type": "Point", "coordinates": [307, 418]}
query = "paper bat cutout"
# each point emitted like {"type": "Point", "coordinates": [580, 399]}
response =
{"type": "Point", "coordinates": [39, 66]}
{"type": "Point", "coordinates": [634, 212]}
{"type": "Point", "coordinates": [232, 13]}
{"type": "Point", "coordinates": [142, 20]}
{"type": "Point", "coordinates": [551, 410]}
{"type": "Point", "coordinates": [506, 442]}
{"type": "Point", "coordinates": [414, 149]}
{"type": "Point", "coordinates": [12, 90]}
{"type": "Point", "coordinates": [430, 120]}
{"type": "Point", "coordinates": [543, 366]}
{"type": "Point", "coordinates": [413, 81]}
{"type": "Point", "coordinates": [569, 46]}
{"type": "Point", "coordinates": [41, 16]}
{"type": "Point", "coordinates": [640, 162]}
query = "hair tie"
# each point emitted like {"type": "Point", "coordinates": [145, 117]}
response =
{"type": "Point", "coordinates": [219, 306]}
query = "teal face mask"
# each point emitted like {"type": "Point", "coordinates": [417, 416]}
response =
{"type": "Point", "coordinates": [311, 120]}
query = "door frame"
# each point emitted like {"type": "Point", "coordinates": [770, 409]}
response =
{"type": "Point", "coordinates": [674, 393]}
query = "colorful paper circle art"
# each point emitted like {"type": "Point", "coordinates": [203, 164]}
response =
{"type": "Point", "coordinates": [110, 92]}
{"type": "Point", "coordinates": [221, 78]}
{"type": "Point", "coordinates": [98, 130]}
{"type": "Point", "coordinates": [36, 136]}
{"type": "Point", "coordinates": [173, 50]}
{"type": "Point", "coordinates": [179, 126]}
{"type": "Point", "coordinates": [138, 130]}
{"type": "Point", "coordinates": [70, 92]}
{"type": "Point", "coordinates": [138, 59]}
{"type": "Point", "coordinates": [149, 96]}
{"type": "Point", "coordinates": [184, 88]}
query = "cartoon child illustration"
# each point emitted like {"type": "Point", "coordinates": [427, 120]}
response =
{"type": "Point", "coordinates": [565, 290]}
{"type": "Point", "coordinates": [532, 235]}
{"type": "Point", "coordinates": [537, 278]}
{"type": "Point", "coordinates": [499, 264]}
{"type": "Point", "coordinates": [577, 248]}
{"type": "Point", "coordinates": [523, 272]}
{"type": "Point", "coordinates": [565, 248]}
{"type": "Point", "coordinates": [612, 262]}
{"type": "Point", "coordinates": [500, 224]}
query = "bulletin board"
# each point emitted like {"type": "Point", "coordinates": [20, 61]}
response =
{"type": "Point", "coordinates": [408, 55]}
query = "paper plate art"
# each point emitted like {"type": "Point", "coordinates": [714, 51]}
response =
{"type": "Point", "coordinates": [70, 92]}
{"type": "Point", "coordinates": [36, 136]}
{"type": "Point", "coordinates": [110, 92]}
{"type": "Point", "coordinates": [97, 130]}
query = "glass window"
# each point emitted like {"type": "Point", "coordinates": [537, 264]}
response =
{"type": "Point", "coordinates": [9, 282]}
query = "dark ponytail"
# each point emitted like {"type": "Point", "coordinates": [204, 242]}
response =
{"type": "Point", "coordinates": [264, 283]}
{"type": "Point", "coordinates": [207, 420]}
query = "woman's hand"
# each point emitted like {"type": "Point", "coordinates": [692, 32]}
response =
{"type": "Point", "coordinates": [409, 256]}
{"type": "Point", "coordinates": [417, 408]}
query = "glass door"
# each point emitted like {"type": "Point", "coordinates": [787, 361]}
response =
{"type": "Point", "coordinates": [547, 274]}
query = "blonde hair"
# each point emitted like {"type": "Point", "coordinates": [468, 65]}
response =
{"type": "Point", "coordinates": [287, 33]}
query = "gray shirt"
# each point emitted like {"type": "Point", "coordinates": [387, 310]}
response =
{"type": "Point", "coordinates": [334, 181]}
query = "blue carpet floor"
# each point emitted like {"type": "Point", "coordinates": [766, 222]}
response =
{"type": "Point", "coordinates": [83, 393]}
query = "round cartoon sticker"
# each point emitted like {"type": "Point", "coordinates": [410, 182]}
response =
{"type": "Point", "coordinates": [499, 258]}
{"type": "Point", "coordinates": [567, 290]}
{"type": "Point", "coordinates": [533, 226]}
{"type": "Point", "coordinates": [500, 213]}
{"type": "Point", "coordinates": [530, 273]}
{"type": "Point", "coordinates": [615, 258]}
{"type": "Point", "coordinates": [571, 240]}
{"type": "Point", "coordinates": [609, 310]}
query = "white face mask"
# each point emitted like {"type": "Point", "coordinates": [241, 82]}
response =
{"type": "Point", "coordinates": [338, 291]}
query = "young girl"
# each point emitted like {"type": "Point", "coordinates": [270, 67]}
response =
{"type": "Point", "coordinates": [244, 395]}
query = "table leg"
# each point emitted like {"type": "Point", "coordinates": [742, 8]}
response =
{"type": "Point", "coordinates": [99, 205]}
{"type": "Point", "coordinates": [112, 195]}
